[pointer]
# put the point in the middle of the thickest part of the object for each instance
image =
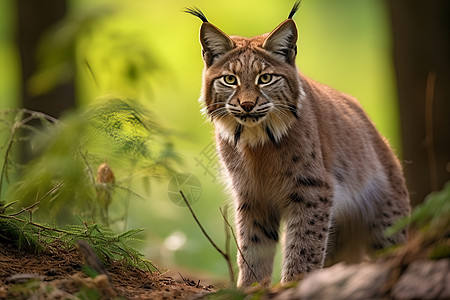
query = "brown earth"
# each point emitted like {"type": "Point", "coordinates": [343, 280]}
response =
{"type": "Point", "coordinates": [57, 273]}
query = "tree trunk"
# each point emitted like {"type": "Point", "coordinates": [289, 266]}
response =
{"type": "Point", "coordinates": [34, 18]}
{"type": "Point", "coordinates": [421, 40]}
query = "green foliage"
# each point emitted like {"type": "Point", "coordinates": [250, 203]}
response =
{"type": "Point", "coordinates": [227, 294]}
{"type": "Point", "coordinates": [59, 183]}
{"type": "Point", "coordinates": [67, 153]}
{"type": "Point", "coordinates": [108, 245]}
{"type": "Point", "coordinates": [17, 123]}
{"type": "Point", "coordinates": [18, 233]}
{"type": "Point", "coordinates": [37, 288]}
{"type": "Point", "coordinates": [87, 293]}
{"type": "Point", "coordinates": [89, 271]}
{"type": "Point", "coordinates": [27, 289]}
{"type": "Point", "coordinates": [430, 225]}
{"type": "Point", "coordinates": [432, 215]}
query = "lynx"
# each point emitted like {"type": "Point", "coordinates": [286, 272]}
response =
{"type": "Point", "coordinates": [296, 151]}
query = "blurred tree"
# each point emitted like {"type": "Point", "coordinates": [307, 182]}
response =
{"type": "Point", "coordinates": [421, 33]}
{"type": "Point", "coordinates": [34, 18]}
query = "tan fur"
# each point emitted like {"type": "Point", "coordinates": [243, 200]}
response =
{"type": "Point", "coordinates": [296, 151]}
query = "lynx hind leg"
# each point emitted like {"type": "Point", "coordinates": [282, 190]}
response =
{"type": "Point", "coordinates": [392, 211]}
{"type": "Point", "coordinates": [360, 222]}
{"type": "Point", "coordinates": [393, 206]}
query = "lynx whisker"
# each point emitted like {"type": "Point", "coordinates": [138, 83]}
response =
{"type": "Point", "coordinates": [222, 111]}
{"type": "Point", "coordinates": [214, 104]}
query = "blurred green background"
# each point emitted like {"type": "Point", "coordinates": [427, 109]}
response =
{"type": "Point", "coordinates": [149, 51]}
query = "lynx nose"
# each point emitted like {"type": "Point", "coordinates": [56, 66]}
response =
{"type": "Point", "coordinates": [247, 106]}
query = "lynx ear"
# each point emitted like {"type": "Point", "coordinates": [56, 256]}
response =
{"type": "Point", "coordinates": [215, 43]}
{"type": "Point", "coordinates": [282, 41]}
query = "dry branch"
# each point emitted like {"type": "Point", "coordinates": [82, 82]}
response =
{"type": "Point", "coordinates": [225, 255]}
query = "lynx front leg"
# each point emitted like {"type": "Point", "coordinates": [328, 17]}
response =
{"type": "Point", "coordinates": [257, 239]}
{"type": "Point", "coordinates": [307, 229]}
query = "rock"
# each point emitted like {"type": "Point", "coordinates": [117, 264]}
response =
{"type": "Point", "coordinates": [365, 281]}
{"type": "Point", "coordinates": [22, 278]}
{"type": "Point", "coordinates": [424, 279]}
{"type": "Point", "coordinates": [346, 282]}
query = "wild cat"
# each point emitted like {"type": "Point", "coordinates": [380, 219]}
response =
{"type": "Point", "coordinates": [296, 151]}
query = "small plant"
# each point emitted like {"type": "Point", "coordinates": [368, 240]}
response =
{"type": "Point", "coordinates": [15, 121]}
{"type": "Point", "coordinates": [61, 176]}
{"type": "Point", "coordinates": [430, 225]}
{"type": "Point", "coordinates": [17, 226]}
{"type": "Point", "coordinates": [432, 214]}
{"type": "Point", "coordinates": [59, 185]}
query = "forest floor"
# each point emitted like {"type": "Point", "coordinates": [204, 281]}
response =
{"type": "Point", "coordinates": [419, 269]}
{"type": "Point", "coordinates": [57, 273]}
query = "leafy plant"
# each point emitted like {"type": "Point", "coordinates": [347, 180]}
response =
{"type": "Point", "coordinates": [430, 224]}
{"type": "Point", "coordinates": [108, 245]}
{"type": "Point", "coordinates": [60, 183]}
{"type": "Point", "coordinates": [67, 153]}
{"type": "Point", "coordinates": [433, 214]}
{"type": "Point", "coordinates": [14, 121]}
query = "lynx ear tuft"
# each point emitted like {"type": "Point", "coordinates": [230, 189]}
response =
{"type": "Point", "coordinates": [282, 41]}
{"type": "Point", "coordinates": [215, 43]}
{"type": "Point", "coordinates": [196, 12]}
{"type": "Point", "coordinates": [294, 9]}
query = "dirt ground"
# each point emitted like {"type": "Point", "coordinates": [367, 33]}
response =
{"type": "Point", "coordinates": [58, 274]}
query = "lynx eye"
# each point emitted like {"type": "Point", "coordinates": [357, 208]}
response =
{"type": "Point", "coordinates": [264, 78]}
{"type": "Point", "coordinates": [230, 79]}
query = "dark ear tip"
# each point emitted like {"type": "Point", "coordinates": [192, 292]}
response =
{"type": "Point", "coordinates": [196, 12]}
{"type": "Point", "coordinates": [294, 9]}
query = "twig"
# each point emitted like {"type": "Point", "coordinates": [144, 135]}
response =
{"type": "Point", "coordinates": [227, 238]}
{"type": "Point", "coordinates": [88, 166]}
{"type": "Point", "coordinates": [5, 160]}
{"type": "Point", "coordinates": [11, 217]}
{"type": "Point", "coordinates": [227, 229]}
{"type": "Point", "coordinates": [40, 115]}
{"type": "Point", "coordinates": [4, 207]}
{"type": "Point", "coordinates": [24, 209]}
{"type": "Point", "coordinates": [51, 190]}
{"type": "Point", "coordinates": [14, 128]}
{"type": "Point", "coordinates": [91, 72]}
{"type": "Point", "coordinates": [85, 235]}
{"type": "Point", "coordinates": [224, 255]}
{"type": "Point", "coordinates": [30, 207]}
{"type": "Point", "coordinates": [237, 246]}
{"type": "Point", "coordinates": [127, 206]}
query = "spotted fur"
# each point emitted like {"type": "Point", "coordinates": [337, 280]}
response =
{"type": "Point", "coordinates": [298, 151]}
